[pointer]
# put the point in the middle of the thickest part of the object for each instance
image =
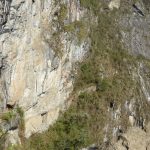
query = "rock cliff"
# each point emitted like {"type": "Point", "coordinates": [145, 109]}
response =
{"type": "Point", "coordinates": [37, 59]}
{"type": "Point", "coordinates": [91, 55]}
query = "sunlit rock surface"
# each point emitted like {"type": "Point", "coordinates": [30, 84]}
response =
{"type": "Point", "coordinates": [33, 75]}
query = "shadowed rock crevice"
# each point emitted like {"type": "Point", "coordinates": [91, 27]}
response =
{"type": "Point", "coordinates": [4, 11]}
{"type": "Point", "coordinates": [137, 10]}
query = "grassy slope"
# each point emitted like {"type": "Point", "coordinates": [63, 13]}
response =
{"type": "Point", "coordinates": [108, 67]}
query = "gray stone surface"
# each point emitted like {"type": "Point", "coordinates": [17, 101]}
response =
{"type": "Point", "coordinates": [33, 76]}
{"type": "Point", "coordinates": [135, 31]}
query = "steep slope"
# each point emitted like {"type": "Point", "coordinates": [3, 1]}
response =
{"type": "Point", "coordinates": [109, 90]}
{"type": "Point", "coordinates": [38, 57]}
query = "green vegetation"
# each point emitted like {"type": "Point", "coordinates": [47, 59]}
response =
{"type": "Point", "coordinates": [20, 112]}
{"type": "Point", "coordinates": [56, 43]}
{"type": "Point", "coordinates": [8, 116]}
{"type": "Point", "coordinates": [73, 130]}
{"type": "Point", "coordinates": [68, 133]}
{"type": "Point", "coordinates": [21, 126]}
{"type": "Point", "coordinates": [77, 29]}
{"type": "Point", "coordinates": [12, 147]}
{"type": "Point", "coordinates": [62, 14]}
{"type": "Point", "coordinates": [108, 67]}
{"type": "Point", "coordinates": [93, 5]}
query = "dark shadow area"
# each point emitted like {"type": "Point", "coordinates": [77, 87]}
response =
{"type": "Point", "coordinates": [137, 10]}
{"type": "Point", "coordinates": [4, 12]}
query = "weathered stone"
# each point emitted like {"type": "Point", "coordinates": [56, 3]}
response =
{"type": "Point", "coordinates": [136, 138]}
{"type": "Point", "coordinates": [35, 77]}
{"type": "Point", "coordinates": [135, 31]}
{"type": "Point", "coordinates": [114, 4]}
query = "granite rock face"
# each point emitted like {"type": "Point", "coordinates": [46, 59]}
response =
{"type": "Point", "coordinates": [38, 60]}
{"type": "Point", "coordinates": [135, 139]}
{"type": "Point", "coordinates": [135, 29]}
{"type": "Point", "coordinates": [33, 74]}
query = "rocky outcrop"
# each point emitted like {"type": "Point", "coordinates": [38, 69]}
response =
{"type": "Point", "coordinates": [114, 4]}
{"type": "Point", "coordinates": [135, 29]}
{"type": "Point", "coordinates": [135, 139]}
{"type": "Point", "coordinates": [34, 74]}
{"type": "Point", "coordinates": [39, 50]}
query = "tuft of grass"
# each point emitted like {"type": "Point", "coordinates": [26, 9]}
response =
{"type": "Point", "coordinates": [21, 126]}
{"type": "Point", "coordinates": [77, 29]}
{"type": "Point", "coordinates": [8, 116]}
{"type": "Point", "coordinates": [93, 5]}
{"type": "Point", "coordinates": [62, 14]}
{"type": "Point", "coordinates": [12, 147]}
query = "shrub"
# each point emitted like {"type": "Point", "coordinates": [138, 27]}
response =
{"type": "Point", "coordinates": [103, 85]}
{"type": "Point", "coordinates": [8, 116]}
{"type": "Point", "coordinates": [78, 29]}
{"type": "Point", "coordinates": [62, 14]}
{"type": "Point", "coordinates": [91, 4]}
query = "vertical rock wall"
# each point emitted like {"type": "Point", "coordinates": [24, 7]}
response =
{"type": "Point", "coordinates": [33, 75]}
